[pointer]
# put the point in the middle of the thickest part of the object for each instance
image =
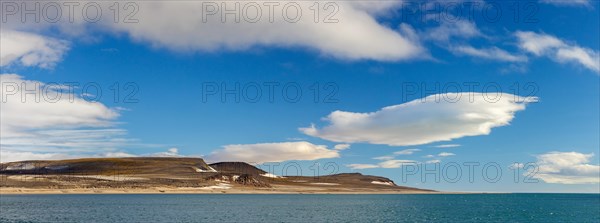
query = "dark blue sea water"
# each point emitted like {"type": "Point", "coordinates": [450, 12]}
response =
{"type": "Point", "coordinates": [301, 208]}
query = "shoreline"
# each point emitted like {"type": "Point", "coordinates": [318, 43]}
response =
{"type": "Point", "coordinates": [29, 191]}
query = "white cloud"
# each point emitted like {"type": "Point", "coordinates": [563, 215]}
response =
{"type": "Point", "coordinates": [538, 44]}
{"type": "Point", "coordinates": [272, 152]}
{"type": "Point", "coordinates": [395, 163]}
{"type": "Point", "coordinates": [438, 157]}
{"type": "Point", "coordinates": [11, 156]}
{"type": "Point", "coordinates": [445, 154]}
{"type": "Point", "coordinates": [433, 161]}
{"type": "Point", "coordinates": [401, 152]}
{"type": "Point", "coordinates": [388, 164]}
{"type": "Point", "coordinates": [351, 38]}
{"type": "Point", "coordinates": [30, 49]}
{"type": "Point", "coordinates": [390, 161]}
{"type": "Point", "coordinates": [492, 53]}
{"type": "Point", "coordinates": [566, 168]}
{"type": "Point", "coordinates": [423, 121]}
{"type": "Point", "coordinates": [117, 154]}
{"type": "Point", "coordinates": [362, 166]}
{"type": "Point", "coordinates": [356, 35]}
{"type": "Point", "coordinates": [448, 30]}
{"type": "Point", "coordinates": [53, 123]}
{"type": "Point", "coordinates": [55, 140]}
{"type": "Point", "coordinates": [406, 152]}
{"type": "Point", "coordinates": [558, 50]}
{"type": "Point", "coordinates": [567, 2]}
{"type": "Point", "coordinates": [384, 158]}
{"type": "Point", "coordinates": [341, 146]}
{"type": "Point", "coordinates": [172, 152]}
{"type": "Point", "coordinates": [447, 33]}
{"type": "Point", "coordinates": [447, 146]}
{"type": "Point", "coordinates": [47, 108]}
{"type": "Point", "coordinates": [515, 166]}
{"type": "Point", "coordinates": [376, 7]}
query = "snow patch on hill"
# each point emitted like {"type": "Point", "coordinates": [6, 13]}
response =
{"type": "Point", "coordinates": [222, 186]}
{"type": "Point", "coordinates": [21, 166]}
{"type": "Point", "coordinates": [210, 170]}
{"type": "Point", "coordinates": [326, 184]}
{"type": "Point", "coordinates": [382, 183]}
{"type": "Point", "coordinates": [270, 175]}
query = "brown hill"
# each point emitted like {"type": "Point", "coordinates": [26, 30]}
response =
{"type": "Point", "coordinates": [236, 167]}
{"type": "Point", "coordinates": [109, 166]}
{"type": "Point", "coordinates": [192, 175]}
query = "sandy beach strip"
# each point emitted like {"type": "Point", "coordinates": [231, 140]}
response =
{"type": "Point", "coordinates": [200, 190]}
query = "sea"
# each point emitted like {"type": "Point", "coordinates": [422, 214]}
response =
{"type": "Point", "coordinates": [301, 208]}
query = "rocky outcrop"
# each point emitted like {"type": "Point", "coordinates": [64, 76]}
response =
{"type": "Point", "coordinates": [237, 167]}
{"type": "Point", "coordinates": [242, 179]}
{"type": "Point", "coordinates": [249, 180]}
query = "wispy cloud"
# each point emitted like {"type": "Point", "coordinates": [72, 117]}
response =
{"type": "Point", "coordinates": [29, 49]}
{"type": "Point", "coordinates": [437, 158]}
{"type": "Point", "coordinates": [395, 154]}
{"type": "Point", "coordinates": [567, 2]}
{"type": "Point", "coordinates": [362, 166]}
{"type": "Point", "coordinates": [445, 154]}
{"type": "Point", "coordinates": [433, 161]}
{"type": "Point", "coordinates": [491, 53]}
{"type": "Point", "coordinates": [384, 158]}
{"type": "Point", "coordinates": [67, 126]}
{"type": "Point", "coordinates": [406, 152]}
{"type": "Point", "coordinates": [11, 156]}
{"type": "Point", "coordinates": [447, 146]}
{"type": "Point", "coordinates": [387, 164]}
{"type": "Point", "coordinates": [540, 44]}
{"type": "Point", "coordinates": [447, 31]}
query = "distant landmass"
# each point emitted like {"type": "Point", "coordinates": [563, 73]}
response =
{"type": "Point", "coordinates": [176, 175]}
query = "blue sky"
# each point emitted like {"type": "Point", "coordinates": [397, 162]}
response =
{"type": "Point", "coordinates": [360, 66]}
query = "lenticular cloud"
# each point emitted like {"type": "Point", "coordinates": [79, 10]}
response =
{"type": "Point", "coordinates": [424, 120]}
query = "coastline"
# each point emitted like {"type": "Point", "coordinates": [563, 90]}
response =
{"type": "Point", "coordinates": [27, 191]}
{"type": "Point", "coordinates": [179, 176]}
